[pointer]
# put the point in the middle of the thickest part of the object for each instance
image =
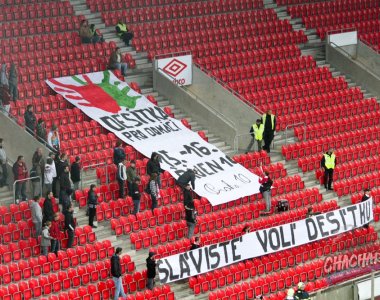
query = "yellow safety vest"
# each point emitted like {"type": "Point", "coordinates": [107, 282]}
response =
{"type": "Point", "coordinates": [330, 161]}
{"type": "Point", "coordinates": [123, 28]}
{"type": "Point", "coordinates": [272, 119]}
{"type": "Point", "coordinates": [258, 131]}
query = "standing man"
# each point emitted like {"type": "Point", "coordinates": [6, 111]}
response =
{"type": "Point", "coordinates": [187, 196]}
{"type": "Point", "coordinates": [20, 172]}
{"type": "Point", "coordinates": [256, 131]}
{"type": "Point", "coordinates": [3, 163]}
{"type": "Point", "coordinates": [366, 196]}
{"type": "Point", "coordinates": [131, 175]}
{"type": "Point", "coordinates": [191, 218]}
{"type": "Point", "coordinates": [269, 122]}
{"type": "Point", "coordinates": [64, 183]}
{"type": "Point", "coordinates": [154, 166]}
{"type": "Point", "coordinates": [118, 153]}
{"type": "Point", "coordinates": [36, 215]}
{"type": "Point", "coordinates": [121, 177]}
{"type": "Point", "coordinates": [151, 266]}
{"type": "Point", "coordinates": [70, 226]}
{"type": "Point", "coordinates": [30, 119]}
{"type": "Point", "coordinates": [116, 274]}
{"type": "Point", "coordinates": [328, 163]}
{"type": "Point", "coordinates": [38, 163]}
{"type": "Point", "coordinates": [75, 173]}
{"type": "Point", "coordinates": [134, 192]}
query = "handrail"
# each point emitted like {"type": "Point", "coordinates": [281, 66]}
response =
{"type": "Point", "coordinates": [352, 57]}
{"type": "Point", "coordinates": [26, 179]}
{"type": "Point", "coordinates": [171, 54]}
{"type": "Point", "coordinates": [236, 141]}
{"type": "Point", "coordinates": [228, 120]}
{"type": "Point", "coordinates": [294, 125]}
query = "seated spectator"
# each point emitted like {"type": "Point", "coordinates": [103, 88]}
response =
{"type": "Point", "coordinates": [53, 138]}
{"type": "Point", "coordinates": [41, 130]}
{"type": "Point", "coordinates": [96, 32]}
{"type": "Point", "coordinates": [86, 34]}
{"type": "Point", "coordinates": [116, 62]}
{"type": "Point", "coordinates": [123, 33]}
{"type": "Point", "coordinates": [30, 119]}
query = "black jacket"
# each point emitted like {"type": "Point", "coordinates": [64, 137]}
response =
{"type": "Point", "coordinates": [75, 172]}
{"type": "Point", "coordinates": [64, 181]}
{"type": "Point", "coordinates": [47, 210]}
{"type": "Point", "coordinates": [365, 198]}
{"type": "Point", "coordinates": [187, 197]}
{"type": "Point", "coordinates": [60, 165]}
{"type": "Point", "coordinates": [118, 155]}
{"type": "Point", "coordinates": [66, 202]}
{"type": "Point", "coordinates": [69, 221]}
{"type": "Point", "coordinates": [185, 178]}
{"type": "Point", "coordinates": [190, 214]}
{"type": "Point", "coordinates": [30, 120]}
{"type": "Point", "coordinates": [115, 266]}
{"type": "Point", "coordinates": [301, 295]}
{"type": "Point", "coordinates": [135, 192]}
{"type": "Point", "coordinates": [153, 165]}
{"type": "Point", "coordinates": [151, 267]}
{"type": "Point", "coordinates": [92, 199]}
{"type": "Point", "coordinates": [194, 246]}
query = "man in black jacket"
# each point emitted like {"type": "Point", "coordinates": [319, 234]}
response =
{"type": "Point", "coordinates": [153, 166]}
{"type": "Point", "coordinates": [116, 274]}
{"type": "Point", "coordinates": [64, 183]}
{"type": "Point", "coordinates": [187, 196]}
{"type": "Point", "coordinates": [75, 173]}
{"type": "Point", "coordinates": [135, 194]}
{"type": "Point", "coordinates": [30, 119]}
{"type": "Point", "coordinates": [186, 178]}
{"type": "Point", "coordinates": [151, 268]}
{"type": "Point", "coordinates": [118, 153]}
{"type": "Point", "coordinates": [70, 226]}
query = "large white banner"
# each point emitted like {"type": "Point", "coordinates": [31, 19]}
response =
{"type": "Point", "coordinates": [266, 241]}
{"type": "Point", "coordinates": [149, 129]}
{"type": "Point", "coordinates": [178, 69]}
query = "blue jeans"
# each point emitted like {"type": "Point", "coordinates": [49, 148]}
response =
{"type": "Point", "coordinates": [54, 246]}
{"type": "Point", "coordinates": [119, 289]}
{"type": "Point", "coordinates": [122, 67]}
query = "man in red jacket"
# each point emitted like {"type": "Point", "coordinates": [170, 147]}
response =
{"type": "Point", "coordinates": [20, 172]}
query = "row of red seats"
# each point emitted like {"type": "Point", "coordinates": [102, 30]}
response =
{"type": "Point", "coordinates": [252, 159]}
{"type": "Point", "coordinates": [312, 102]}
{"type": "Point", "coordinates": [264, 69]}
{"type": "Point", "coordinates": [312, 131]}
{"type": "Point", "coordinates": [345, 154]}
{"type": "Point", "coordinates": [376, 214]}
{"type": "Point", "coordinates": [329, 7]}
{"type": "Point", "coordinates": [40, 26]}
{"type": "Point", "coordinates": [275, 170]}
{"type": "Point", "coordinates": [18, 2]}
{"type": "Point", "coordinates": [14, 213]}
{"type": "Point", "coordinates": [293, 151]}
{"type": "Point", "coordinates": [303, 90]}
{"type": "Point", "coordinates": [356, 184]}
{"type": "Point", "coordinates": [47, 104]}
{"type": "Point", "coordinates": [36, 10]}
{"type": "Point", "coordinates": [371, 39]}
{"type": "Point", "coordinates": [375, 194]}
{"type": "Point", "coordinates": [281, 80]}
{"type": "Point", "coordinates": [289, 2]}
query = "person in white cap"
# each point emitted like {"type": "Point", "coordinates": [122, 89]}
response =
{"type": "Point", "coordinates": [301, 294]}
{"type": "Point", "coordinates": [290, 294]}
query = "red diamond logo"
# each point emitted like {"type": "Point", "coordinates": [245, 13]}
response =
{"type": "Point", "coordinates": [174, 67]}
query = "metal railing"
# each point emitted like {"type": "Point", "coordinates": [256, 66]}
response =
{"type": "Point", "coordinates": [29, 179]}
{"type": "Point", "coordinates": [172, 54]}
{"type": "Point", "coordinates": [84, 168]}
{"type": "Point", "coordinates": [292, 126]}
{"type": "Point", "coordinates": [340, 48]}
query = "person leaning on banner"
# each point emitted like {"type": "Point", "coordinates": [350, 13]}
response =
{"type": "Point", "coordinates": [328, 164]}
{"type": "Point", "coordinates": [301, 294]}
{"type": "Point", "coordinates": [256, 131]}
{"type": "Point", "coordinates": [123, 32]}
{"type": "Point", "coordinates": [196, 244]}
{"type": "Point", "coordinates": [366, 196]}
{"type": "Point", "coordinates": [269, 122]}
{"type": "Point", "coordinates": [187, 177]}
{"type": "Point", "coordinates": [187, 196]}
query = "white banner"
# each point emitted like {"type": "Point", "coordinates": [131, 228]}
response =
{"type": "Point", "coordinates": [136, 121]}
{"type": "Point", "coordinates": [178, 69]}
{"type": "Point", "coordinates": [263, 242]}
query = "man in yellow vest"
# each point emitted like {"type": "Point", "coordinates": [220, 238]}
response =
{"type": "Point", "coordinates": [123, 32]}
{"type": "Point", "coordinates": [256, 131]}
{"type": "Point", "coordinates": [269, 122]}
{"type": "Point", "coordinates": [328, 163]}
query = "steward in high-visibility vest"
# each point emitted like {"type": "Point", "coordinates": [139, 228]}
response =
{"type": "Point", "coordinates": [256, 131]}
{"type": "Point", "coordinates": [328, 163]}
{"type": "Point", "coordinates": [269, 122]}
{"type": "Point", "coordinates": [123, 32]}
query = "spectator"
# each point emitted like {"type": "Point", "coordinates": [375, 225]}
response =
{"type": "Point", "coordinates": [269, 122]}
{"type": "Point", "coordinates": [38, 163]}
{"type": "Point", "coordinates": [66, 200]}
{"type": "Point", "coordinates": [20, 172]}
{"type": "Point", "coordinates": [5, 97]}
{"type": "Point", "coordinates": [118, 153]}
{"type": "Point", "coordinates": [191, 218]}
{"type": "Point", "coordinates": [366, 196]}
{"type": "Point", "coordinates": [53, 138]}
{"type": "Point", "coordinates": [134, 192]}
{"type": "Point", "coordinates": [154, 190]}
{"type": "Point", "coordinates": [13, 81]}
{"type": "Point", "coordinates": [290, 294]}
{"type": "Point", "coordinates": [92, 202]}
{"type": "Point", "coordinates": [153, 166]}
{"type": "Point", "coordinates": [75, 173]}
{"type": "Point", "coordinates": [61, 163]}
{"type": "Point", "coordinates": [64, 183]}
{"type": "Point", "coordinates": [131, 174]}
{"type": "Point", "coordinates": [54, 173]}
{"type": "Point", "coordinates": [47, 208]}
{"type": "Point", "coordinates": [96, 33]}
{"type": "Point", "coordinates": [116, 274]}
{"type": "Point", "coordinates": [328, 164]}
{"type": "Point", "coordinates": [41, 130]}
{"type": "Point", "coordinates": [46, 238]}
{"type": "Point", "coordinates": [70, 226]}
{"type": "Point", "coordinates": [301, 294]}
{"type": "Point", "coordinates": [3, 75]}
{"type": "Point", "coordinates": [49, 174]}
{"type": "Point", "coordinates": [265, 188]}
{"type": "Point", "coordinates": [30, 119]}
{"type": "Point", "coordinates": [246, 229]}
{"type": "Point", "coordinates": [121, 177]}
{"type": "Point", "coordinates": [123, 32]}
{"type": "Point", "coordinates": [86, 34]}
{"type": "Point", "coordinates": [116, 62]}
{"type": "Point", "coordinates": [55, 233]}
{"type": "Point", "coordinates": [256, 132]}
{"type": "Point", "coordinates": [36, 211]}
{"type": "Point", "coordinates": [187, 177]}
{"type": "Point", "coordinates": [187, 196]}
{"type": "Point", "coordinates": [151, 268]}
{"type": "Point", "coordinates": [3, 163]}
{"type": "Point", "coordinates": [195, 244]}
